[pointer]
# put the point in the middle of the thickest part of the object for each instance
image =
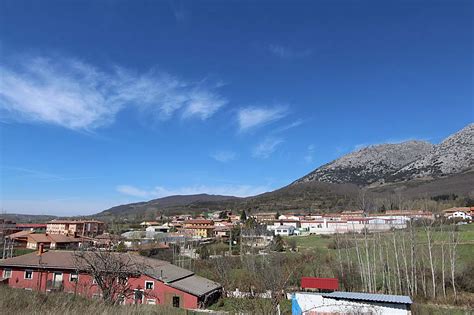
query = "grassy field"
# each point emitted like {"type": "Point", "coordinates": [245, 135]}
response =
{"type": "Point", "coordinates": [430, 309]}
{"type": "Point", "coordinates": [250, 306]}
{"type": "Point", "coordinates": [17, 301]}
{"type": "Point", "coordinates": [465, 247]}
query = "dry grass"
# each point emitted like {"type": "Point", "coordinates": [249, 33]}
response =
{"type": "Point", "coordinates": [18, 301]}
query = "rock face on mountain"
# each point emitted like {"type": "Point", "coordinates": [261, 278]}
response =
{"type": "Point", "coordinates": [389, 163]}
{"type": "Point", "coordinates": [369, 165]}
{"type": "Point", "coordinates": [454, 155]}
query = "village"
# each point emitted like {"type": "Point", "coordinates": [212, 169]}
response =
{"type": "Point", "coordinates": [158, 258]}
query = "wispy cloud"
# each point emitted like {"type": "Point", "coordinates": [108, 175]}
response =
{"type": "Point", "coordinates": [266, 148]}
{"type": "Point", "coordinates": [286, 52]}
{"type": "Point", "coordinates": [75, 95]}
{"type": "Point", "coordinates": [253, 117]}
{"type": "Point", "coordinates": [159, 191]}
{"type": "Point", "coordinates": [309, 157]}
{"type": "Point", "coordinates": [291, 125]}
{"type": "Point", "coordinates": [20, 172]}
{"type": "Point", "coordinates": [133, 191]}
{"type": "Point", "coordinates": [224, 156]}
{"type": "Point", "coordinates": [179, 11]}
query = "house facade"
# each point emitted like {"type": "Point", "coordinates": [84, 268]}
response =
{"type": "Point", "coordinates": [90, 228]}
{"type": "Point", "coordinates": [159, 283]}
{"type": "Point", "coordinates": [285, 230]}
{"type": "Point", "coordinates": [53, 241]}
{"type": "Point", "coordinates": [199, 227]}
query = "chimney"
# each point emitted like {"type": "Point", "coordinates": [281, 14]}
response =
{"type": "Point", "coordinates": [40, 249]}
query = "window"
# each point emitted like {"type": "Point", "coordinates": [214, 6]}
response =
{"type": "Point", "coordinates": [149, 285]}
{"type": "Point", "coordinates": [7, 273]}
{"type": "Point", "coordinates": [175, 301]}
{"type": "Point", "coordinates": [29, 274]}
{"type": "Point", "coordinates": [151, 301]}
{"type": "Point", "coordinates": [138, 296]}
{"type": "Point", "coordinates": [73, 277]}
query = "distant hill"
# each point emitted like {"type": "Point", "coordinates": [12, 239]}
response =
{"type": "Point", "coordinates": [170, 203]}
{"type": "Point", "coordinates": [27, 218]}
{"type": "Point", "coordinates": [415, 169]}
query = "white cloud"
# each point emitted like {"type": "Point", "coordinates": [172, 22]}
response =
{"type": "Point", "coordinates": [287, 52]}
{"type": "Point", "coordinates": [160, 191]}
{"type": "Point", "coordinates": [224, 156]}
{"type": "Point", "coordinates": [35, 175]}
{"type": "Point", "coordinates": [78, 96]}
{"type": "Point", "coordinates": [132, 191]}
{"type": "Point", "coordinates": [292, 125]}
{"type": "Point", "coordinates": [66, 206]}
{"type": "Point", "coordinates": [265, 148]}
{"type": "Point", "coordinates": [203, 105]}
{"type": "Point", "coordinates": [252, 117]}
{"type": "Point", "coordinates": [309, 157]}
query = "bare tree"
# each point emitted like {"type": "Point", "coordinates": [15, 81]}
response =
{"type": "Point", "coordinates": [443, 259]}
{"type": "Point", "coordinates": [454, 240]}
{"type": "Point", "coordinates": [110, 272]}
{"type": "Point", "coordinates": [428, 224]}
{"type": "Point", "coordinates": [395, 248]}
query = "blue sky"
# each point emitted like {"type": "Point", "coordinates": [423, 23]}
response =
{"type": "Point", "coordinates": [108, 102]}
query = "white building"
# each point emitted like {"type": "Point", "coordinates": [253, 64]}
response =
{"type": "Point", "coordinates": [356, 225]}
{"type": "Point", "coordinates": [306, 303]}
{"type": "Point", "coordinates": [460, 215]}
{"type": "Point", "coordinates": [285, 230]}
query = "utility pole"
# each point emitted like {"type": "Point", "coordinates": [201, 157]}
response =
{"type": "Point", "coordinates": [4, 247]}
{"type": "Point", "coordinates": [241, 251]}
{"type": "Point", "coordinates": [230, 243]}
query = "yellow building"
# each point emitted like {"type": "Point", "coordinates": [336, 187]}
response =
{"type": "Point", "coordinates": [198, 227]}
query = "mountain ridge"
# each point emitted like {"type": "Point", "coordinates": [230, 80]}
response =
{"type": "Point", "coordinates": [390, 163]}
{"type": "Point", "coordinates": [415, 168]}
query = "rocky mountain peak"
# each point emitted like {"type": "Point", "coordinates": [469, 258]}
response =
{"type": "Point", "coordinates": [451, 156]}
{"type": "Point", "coordinates": [379, 164]}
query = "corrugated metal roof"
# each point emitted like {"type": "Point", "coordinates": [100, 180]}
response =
{"type": "Point", "coordinates": [399, 299]}
{"type": "Point", "coordinates": [195, 285]}
{"type": "Point", "coordinates": [166, 272]}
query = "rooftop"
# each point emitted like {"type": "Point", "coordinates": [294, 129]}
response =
{"type": "Point", "coordinates": [356, 296]}
{"type": "Point", "coordinates": [73, 221]}
{"type": "Point", "coordinates": [164, 271]}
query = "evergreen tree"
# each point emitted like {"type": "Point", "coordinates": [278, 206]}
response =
{"type": "Point", "coordinates": [243, 216]}
{"type": "Point", "coordinates": [277, 244]}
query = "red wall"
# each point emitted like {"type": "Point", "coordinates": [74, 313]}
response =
{"type": "Point", "coordinates": [161, 293]}
{"type": "Point", "coordinates": [319, 283]}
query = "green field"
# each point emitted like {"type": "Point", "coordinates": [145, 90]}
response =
{"type": "Point", "coordinates": [465, 247]}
